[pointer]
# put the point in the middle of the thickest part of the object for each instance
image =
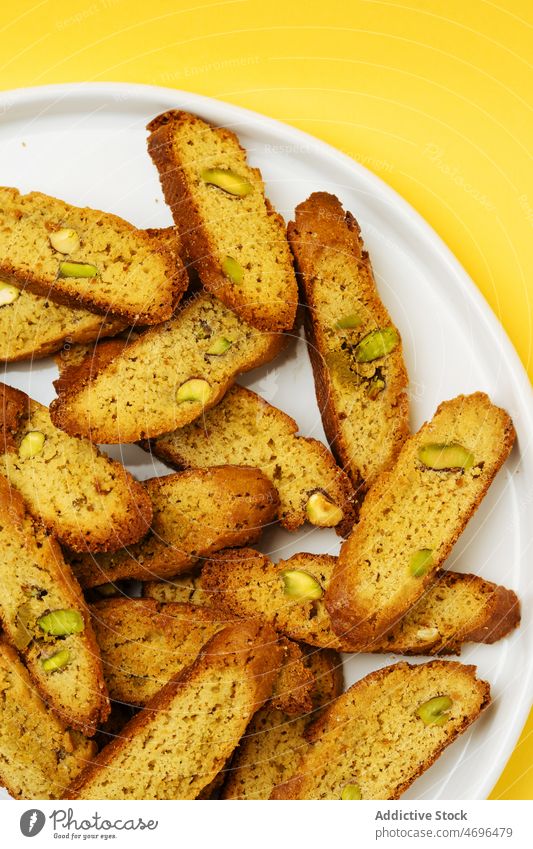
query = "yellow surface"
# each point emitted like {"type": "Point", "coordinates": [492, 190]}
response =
{"type": "Point", "coordinates": [432, 95]}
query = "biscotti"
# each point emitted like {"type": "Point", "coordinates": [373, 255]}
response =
{"type": "Point", "coordinates": [32, 326]}
{"type": "Point", "coordinates": [44, 615]}
{"type": "Point", "coordinates": [289, 595]}
{"type": "Point", "coordinates": [270, 750]}
{"type": "Point", "coordinates": [91, 503]}
{"type": "Point", "coordinates": [245, 429]}
{"type": "Point", "coordinates": [176, 746]}
{"type": "Point", "coordinates": [355, 350]}
{"type": "Point", "coordinates": [144, 644]}
{"type": "Point", "coordinates": [415, 513]}
{"type": "Point", "coordinates": [166, 378]}
{"type": "Point", "coordinates": [195, 513]}
{"type": "Point", "coordinates": [410, 712]}
{"type": "Point", "coordinates": [229, 230]}
{"type": "Point", "coordinates": [39, 755]}
{"type": "Point", "coordinates": [87, 258]}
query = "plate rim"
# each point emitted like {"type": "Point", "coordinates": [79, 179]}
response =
{"type": "Point", "coordinates": [421, 229]}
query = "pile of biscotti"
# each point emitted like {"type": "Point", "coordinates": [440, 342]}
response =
{"type": "Point", "coordinates": [222, 677]}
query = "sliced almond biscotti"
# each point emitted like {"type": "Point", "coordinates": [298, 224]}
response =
{"type": "Point", "coordinates": [386, 730]}
{"type": "Point", "coordinates": [32, 326]}
{"type": "Point", "coordinates": [39, 755]}
{"type": "Point", "coordinates": [177, 745]}
{"type": "Point", "coordinates": [355, 350]}
{"type": "Point", "coordinates": [44, 615]}
{"type": "Point", "coordinates": [229, 230]}
{"type": "Point", "coordinates": [87, 258]}
{"type": "Point", "coordinates": [91, 503]}
{"type": "Point", "coordinates": [289, 595]}
{"type": "Point", "coordinates": [245, 429]}
{"type": "Point", "coordinates": [415, 513]}
{"type": "Point", "coordinates": [195, 513]}
{"type": "Point", "coordinates": [270, 750]}
{"type": "Point", "coordinates": [165, 379]}
{"type": "Point", "coordinates": [144, 644]}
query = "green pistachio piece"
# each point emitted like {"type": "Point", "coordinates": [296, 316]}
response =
{"type": "Point", "coordinates": [60, 623]}
{"type": "Point", "coordinates": [375, 387]}
{"type": "Point", "coordinates": [444, 457]}
{"type": "Point", "coordinates": [219, 346]}
{"type": "Point", "coordinates": [301, 585]}
{"type": "Point", "coordinates": [351, 791]}
{"type": "Point", "coordinates": [56, 661]}
{"type": "Point", "coordinates": [233, 270]}
{"type": "Point", "coordinates": [64, 241]}
{"type": "Point", "coordinates": [8, 294]}
{"type": "Point", "coordinates": [77, 269]}
{"type": "Point", "coordinates": [434, 711]}
{"type": "Point", "coordinates": [195, 389]}
{"type": "Point", "coordinates": [376, 344]}
{"type": "Point", "coordinates": [421, 562]}
{"type": "Point", "coordinates": [227, 180]}
{"type": "Point", "coordinates": [347, 322]}
{"type": "Point", "coordinates": [31, 444]}
{"type": "Point", "coordinates": [323, 512]}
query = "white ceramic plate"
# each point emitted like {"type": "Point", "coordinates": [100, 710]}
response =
{"type": "Point", "coordinates": [86, 144]}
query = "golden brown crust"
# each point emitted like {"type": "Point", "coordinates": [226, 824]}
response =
{"type": "Point", "coordinates": [340, 489]}
{"type": "Point", "coordinates": [247, 646]}
{"type": "Point", "coordinates": [295, 789]}
{"type": "Point", "coordinates": [208, 509]}
{"type": "Point", "coordinates": [197, 243]}
{"type": "Point", "coordinates": [145, 643]}
{"type": "Point", "coordinates": [457, 609]}
{"type": "Point", "coordinates": [348, 613]}
{"type": "Point", "coordinates": [107, 357]}
{"type": "Point", "coordinates": [321, 227]}
{"type": "Point", "coordinates": [48, 556]}
{"type": "Point", "coordinates": [15, 408]}
{"type": "Point", "coordinates": [95, 302]}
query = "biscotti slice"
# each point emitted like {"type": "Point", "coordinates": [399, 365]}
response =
{"type": "Point", "coordinates": [386, 730]}
{"type": "Point", "coordinates": [39, 755]}
{"type": "Point", "coordinates": [144, 644]}
{"type": "Point", "coordinates": [87, 258]}
{"type": "Point", "coordinates": [195, 513]}
{"type": "Point", "coordinates": [415, 513]}
{"type": "Point", "coordinates": [290, 594]}
{"type": "Point", "coordinates": [166, 378]}
{"type": "Point", "coordinates": [44, 615]}
{"type": "Point", "coordinates": [355, 350]}
{"type": "Point", "coordinates": [32, 327]}
{"type": "Point", "coordinates": [229, 230]}
{"type": "Point", "coordinates": [176, 746]}
{"type": "Point", "coordinates": [88, 501]}
{"type": "Point", "coordinates": [245, 429]}
{"type": "Point", "coordinates": [270, 750]}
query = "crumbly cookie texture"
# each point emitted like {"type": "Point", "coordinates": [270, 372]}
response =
{"type": "Point", "coordinates": [167, 377]}
{"type": "Point", "coordinates": [229, 230]}
{"type": "Point", "coordinates": [87, 258]}
{"type": "Point", "coordinates": [354, 347]}
{"type": "Point", "coordinates": [413, 711]}
{"type": "Point", "coordinates": [414, 514]}
{"type": "Point", "coordinates": [245, 429]}
{"type": "Point", "coordinates": [88, 501]}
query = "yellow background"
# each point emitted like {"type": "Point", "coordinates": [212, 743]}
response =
{"type": "Point", "coordinates": [432, 95]}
